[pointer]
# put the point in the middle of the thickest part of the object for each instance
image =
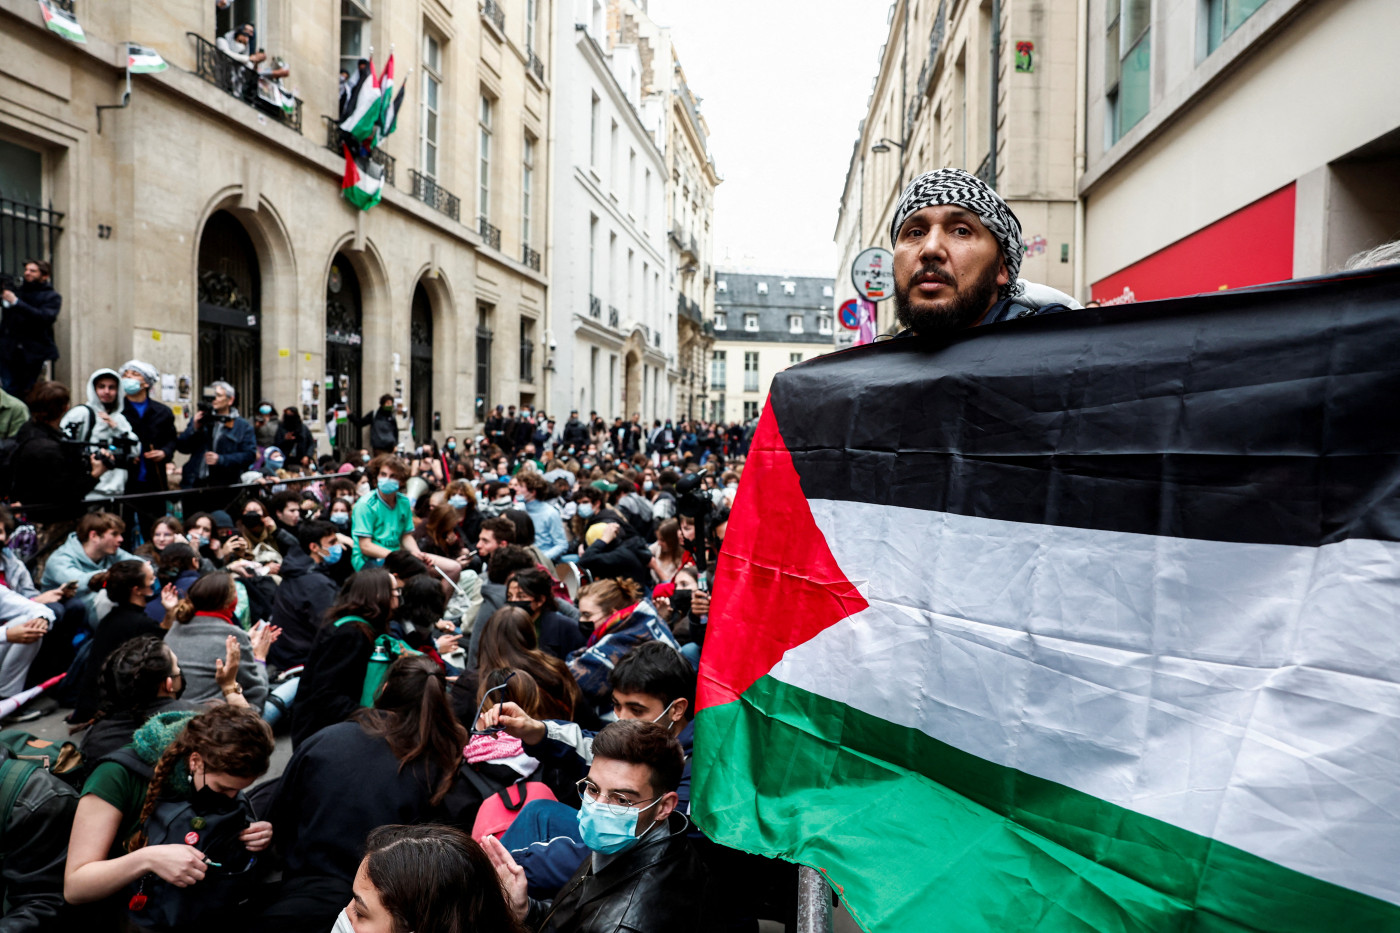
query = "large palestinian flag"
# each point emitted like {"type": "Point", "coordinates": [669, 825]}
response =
{"type": "Point", "coordinates": [1088, 622]}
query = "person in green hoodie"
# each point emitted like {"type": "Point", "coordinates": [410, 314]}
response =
{"type": "Point", "coordinates": [13, 415]}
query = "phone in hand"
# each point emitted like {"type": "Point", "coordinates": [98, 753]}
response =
{"type": "Point", "coordinates": [70, 589]}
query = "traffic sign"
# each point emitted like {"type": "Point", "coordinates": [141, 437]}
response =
{"type": "Point", "coordinates": [873, 273]}
{"type": "Point", "coordinates": [849, 312]}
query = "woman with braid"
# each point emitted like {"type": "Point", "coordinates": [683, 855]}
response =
{"type": "Point", "coordinates": [206, 759]}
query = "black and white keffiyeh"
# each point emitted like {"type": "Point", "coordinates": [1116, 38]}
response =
{"type": "Point", "coordinates": [955, 186]}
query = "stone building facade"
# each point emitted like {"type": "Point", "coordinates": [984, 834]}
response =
{"type": "Point", "coordinates": [942, 98]}
{"type": "Point", "coordinates": [205, 231]}
{"type": "Point", "coordinates": [763, 324]}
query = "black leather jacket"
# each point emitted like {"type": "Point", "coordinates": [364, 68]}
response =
{"type": "Point", "coordinates": [658, 886]}
{"type": "Point", "coordinates": [33, 850]}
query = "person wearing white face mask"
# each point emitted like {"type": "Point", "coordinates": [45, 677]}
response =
{"type": "Point", "coordinates": [643, 872]}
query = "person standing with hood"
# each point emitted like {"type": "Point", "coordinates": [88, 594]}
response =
{"type": "Point", "coordinates": [154, 424]}
{"type": "Point", "coordinates": [26, 328]}
{"type": "Point", "coordinates": [383, 426]}
{"type": "Point", "coordinates": [101, 424]}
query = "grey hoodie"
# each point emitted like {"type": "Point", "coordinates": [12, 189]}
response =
{"type": "Point", "coordinates": [84, 423]}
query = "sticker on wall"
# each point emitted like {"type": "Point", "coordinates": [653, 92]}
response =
{"type": "Point", "coordinates": [155, 335]}
{"type": "Point", "coordinates": [1025, 57]}
{"type": "Point", "coordinates": [283, 352]}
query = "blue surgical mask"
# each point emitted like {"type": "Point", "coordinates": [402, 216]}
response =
{"type": "Point", "coordinates": [336, 551]}
{"type": "Point", "coordinates": [488, 477]}
{"type": "Point", "coordinates": [585, 509]}
{"type": "Point", "coordinates": [457, 502]}
{"type": "Point", "coordinates": [387, 487]}
{"type": "Point", "coordinates": [265, 410]}
{"type": "Point", "coordinates": [451, 445]}
{"type": "Point", "coordinates": [276, 462]}
{"type": "Point", "coordinates": [364, 458]}
{"type": "Point", "coordinates": [607, 832]}
{"type": "Point", "coordinates": [278, 487]}
{"type": "Point", "coordinates": [646, 486]}
{"type": "Point", "coordinates": [132, 386]}
{"type": "Point", "coordinates": [340, 518]}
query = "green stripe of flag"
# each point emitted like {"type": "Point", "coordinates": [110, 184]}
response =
{"type": "Point", "coordinates": [916, 834]}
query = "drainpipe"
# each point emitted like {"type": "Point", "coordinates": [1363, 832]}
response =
{"type": "Point", "coordinates": [996, 91]}
{"type": "Point", "coordinates": [1081, 132]}
{"type": "Point", "coordinates": [903, 96]}
{"type": "Point", "coordinates": [547, 375]}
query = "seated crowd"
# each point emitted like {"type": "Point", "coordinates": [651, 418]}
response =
{"type": "Point", "coordinates": [484, 656]}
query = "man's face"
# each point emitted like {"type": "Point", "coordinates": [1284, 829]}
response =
{"type": "Point", "coordinates": [32, 273]}
{"type": "Point", "coordinates": [947, 268]}
{"type": "Point", "coordinates": [387, 473]}
{"type": "Point", "coordinates": [617, 781]}
{"type": "Point", "coordinates": [133, 374]}
{"type": "Point", "coordinates": [106, 389]}
{"type": "Point", "coordinates": [108, 542]}
{"type": "Point", "coordinates": [648, 708]}
{"type": "Point", "coordinates": [290, 514]}
{"type": "Point", "coordinates": [486, 543]}
{"type": "Point", "coordinates": [222, 400]}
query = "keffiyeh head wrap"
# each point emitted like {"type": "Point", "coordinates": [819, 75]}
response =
{"type": "Point", "coordinates": [954, 186]}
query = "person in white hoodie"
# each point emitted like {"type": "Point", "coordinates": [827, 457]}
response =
{"type": "Point", "coordinates": [101, 423]}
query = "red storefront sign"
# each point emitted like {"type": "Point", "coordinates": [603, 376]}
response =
{"type": "Point", "coordinates": [1252, 246]}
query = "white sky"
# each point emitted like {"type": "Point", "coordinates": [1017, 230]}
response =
{"type": "Point", "coordinates": [784, 85]}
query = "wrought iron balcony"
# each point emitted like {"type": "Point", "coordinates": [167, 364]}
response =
{"type": "Point", "coordinates": [434, 195]}
{"type": "Point", "coordinates": [656, 338]}
{"type": "Point", "coordinates": [595, 307]}
{"type": "Point", "coordinates": [335, 137]}
{"type": "Point", "coordinates": [612, 316]}
{"type": "Point", "coordinates": [489, 234]}
{"type": "Point", "coordinates": [238, 80]}
{"type": "Point", "coordinates": [492, 11]}
{"type": "Point", "coordinates": [677, 237]}
{"type": "Point", "coordinates": [536, 66]}
{"type": "Point", "coordinates": [692, 248]}
{"type": "Point", "coordinates": [530, 258]}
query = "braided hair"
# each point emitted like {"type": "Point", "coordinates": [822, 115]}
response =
{"type": "Point", "coordinates": [132, 676]}
{"type": "Point", "coordinates": [230, 740]}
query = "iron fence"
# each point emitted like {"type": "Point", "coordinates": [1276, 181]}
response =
{"type": "Point", "coordinates": [530, 257]}
{"type": "Point", "coordinates": [490, 235]}
{"type": "Point", "coordinates": [595, 307]}
{"type": "Point", "coordinates": [492, 11]}
{"type": "Point", "coordinates": [238, 80]}
{"type": "Point", "coordinates": [536, 66]}
{"type": "Point", "coordinates": [336, 138]}
{"type": "Point", "coordinates": [434, 195]}
{"type": "Point", "coordinates": [27, 231]}
{"type": "Point", "coordinates": [612, 316]}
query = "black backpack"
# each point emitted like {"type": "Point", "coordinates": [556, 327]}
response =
{"type": "Point", "coordinates": [229, 880]}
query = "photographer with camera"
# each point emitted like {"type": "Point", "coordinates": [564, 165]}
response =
{"type": "Point", "coordinates": [220, 443]}
{"type": "Point", "coordinates": [51, 476]}
{"type": "Point", "coordinates": [103, 431]}
{"type": "Point", "coordinates": [26, 327]}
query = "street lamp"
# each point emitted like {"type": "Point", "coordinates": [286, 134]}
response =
{"type": "Point", "coordinates": [884, 145]}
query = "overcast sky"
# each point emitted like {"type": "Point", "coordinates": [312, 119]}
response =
{"type": "Point", "coordinates": [784, 84]}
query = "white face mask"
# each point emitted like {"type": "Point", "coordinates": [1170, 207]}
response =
{"type": "Point", "coordinates": [342, 923]}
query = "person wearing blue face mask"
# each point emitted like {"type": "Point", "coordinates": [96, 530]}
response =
{"type": "Point", "coordinates": [382, 521]}
{"type": "Point", "coordinates": [307, 591]}
{"type": "Point", "coordinates": [643, 872]}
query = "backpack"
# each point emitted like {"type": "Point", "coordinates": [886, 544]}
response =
{"type": "Point", "coordinates": [498, 810]}
{"type": "Point", "coordinates": [387, 649]}
{"type": "Point", "coordinates": [63, 761]}
{"type": "Point", "coordinates": [229, 879]}
{"type": "Point", "coordinates": [14, 774]}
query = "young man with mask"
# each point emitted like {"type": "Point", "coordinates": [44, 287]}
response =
{"type": "Point", "coordinates": [154, 424]}
{"type": "Point", "coordinates": [307, 591]}
{"type": "Point", "coordinates": [652, 683]}
{"type": "Point", "coordinates": [101, 425]}
{"type": "Point", "coordinates": [642, 872]}
{"type": "Point", "coordinates": [382, 521]}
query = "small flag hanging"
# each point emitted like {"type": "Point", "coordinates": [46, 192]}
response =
{"type": "Point", "coordinates": [361, 122]}
{"type": "Point", "coordinates": [62, 22]}
{"type": "Point", "coordinates": [386, 100]}
{"type": "Point", "coordinates": [359, 187]}
{"type": "Point", "coordinates": [141, 60]}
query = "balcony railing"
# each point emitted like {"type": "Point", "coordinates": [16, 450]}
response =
{"type": "Point", "coordinates": [656, 338]}
{"type": "Point", "coordinates": [237, 80]}
{"type": "Point", "coordinates": [678, 236]}
{"type": "Point", "coordinates": [336, 137]}
{"type": "Point", "coordinates": [27, 231]}
{"type": "Point", "coordinates": [612, 316]}
{"type": "Point", "coordinates": [536, 66]}
{"type": "Point", "coordinates": [492, 11]}
{"type": "Point", "coordinates": [530, 258]}
{"type": "Point", "coordinates": [490, 235]}
{"type": "Point", "coordinates": [595, 307]}
{"type": "Point", "coordinates": [434, 195]}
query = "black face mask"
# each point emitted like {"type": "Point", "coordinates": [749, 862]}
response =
{"type": "Point", "coordinates": [210, 802]}
{"type": "Point", "coordinates": [251, 519]}
{"type": "Point", "coordinates": [522, 604]}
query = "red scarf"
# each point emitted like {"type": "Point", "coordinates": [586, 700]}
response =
{"type": "Point", "coordinates": [620, 615]}
{"type": "Point", "coordinates": [225, 614]}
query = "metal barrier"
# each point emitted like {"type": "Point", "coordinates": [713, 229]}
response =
{"type": "Point", "coordinates": [813, 902]}
{"type": "Point", "coordinates": [176, 493]}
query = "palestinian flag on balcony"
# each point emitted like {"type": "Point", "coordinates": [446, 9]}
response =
{"type": "Point", "coordinates": [1085, 622]}
{"type": "Point", "coordinates": [62, 22]}
{"type": "Point", "coordinates": [388, 105]}
{"type": "Point", "coordinates": [359, 186]}
{"type": "Point", "coordinates": [364, 111]}
{"type": "Point", "coordinates": [143, 61]}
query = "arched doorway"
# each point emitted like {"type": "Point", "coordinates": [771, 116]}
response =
{"type": "Point", "coordinates": [228, 293]}
{"type": "Point", "coordinates": [344, 349]}
{"type": "Point", "coordinates": [420, 385]}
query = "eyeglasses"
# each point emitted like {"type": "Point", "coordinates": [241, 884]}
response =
{"type": "Point", "coordinates": [482, 705]}
{"type": "Point", "coordinates": [616, 804]}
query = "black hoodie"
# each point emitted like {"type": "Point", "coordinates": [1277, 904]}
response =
{"type": "Point", "coordinates": [627, 555]}
{"type": "Point", "coordinates": [299, 608]}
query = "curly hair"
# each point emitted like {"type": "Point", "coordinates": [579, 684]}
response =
{"type": "Point", "coordinates": [230, 740]}
{"type": "Point", "coordinates": [132, 675]}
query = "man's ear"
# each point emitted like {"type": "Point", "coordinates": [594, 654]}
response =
{"type": "Point", "coordinates": [682, 705]}
{"type": "Point", "coordinates": [667, 805]}
{"type": "Point", "coordinates": [1003, 273]}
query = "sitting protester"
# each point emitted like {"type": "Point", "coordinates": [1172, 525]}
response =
{"type": "Point", "coordinates": [95, 546]}
{"type": "Point", "coordinates": [508, 641]}
{"type": "Point", "coordinates": [139, 679]}
{"type": "Point", "coordinates": [128, 585]}
{"type": "Point", "coordinates": [165, 531]}
{"type": "Point", "coordinates": [307, 591]}
{"type": "Point", "coordinates": [532, 590]}
{"type": "Point", "coordinates": [149, 823]}
{"type": "Point", "coordinates": [426, 878]}
{"type": "Point", "coordinates": [620, 620]}
{"type": "Point", "coordinates": [644, 873]}
{"type": "Point", "coordinates": [505, 561]}
{"type": "Point", "coordinates": [653, 683]}
{"type": "Point", "coordinates": [333, 683]}
{"type": "Point", "coordinates": [204, 620]}
{"type": "Point", "coordinates": [177, 567]}
{"type": "Point", "coordinates": [614, 550]}
{"type": "Point", "coordinates": [405, 754]}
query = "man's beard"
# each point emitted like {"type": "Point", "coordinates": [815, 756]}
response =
{"type": "Point", "coordinates": [963, 311]}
